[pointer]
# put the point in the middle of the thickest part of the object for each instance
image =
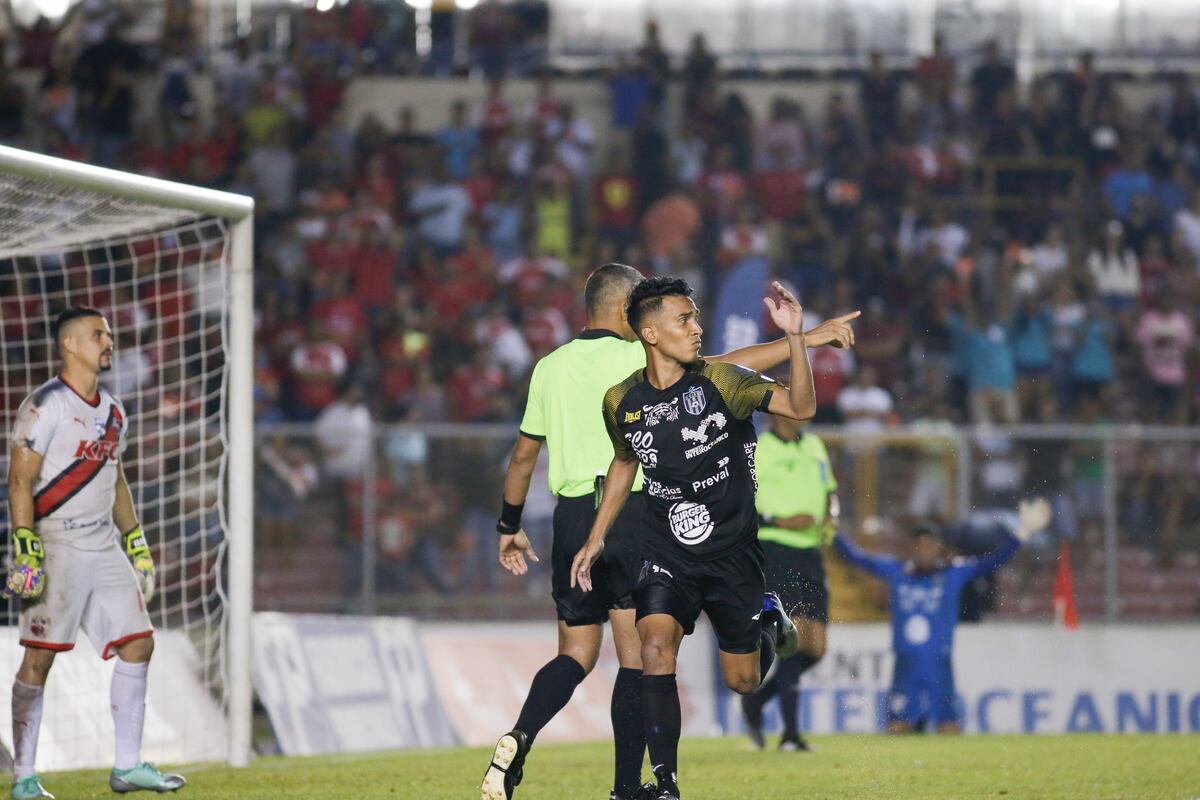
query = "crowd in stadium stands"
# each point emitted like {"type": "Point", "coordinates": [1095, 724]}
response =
{"type": "Point", "coordinates": [429, 269]}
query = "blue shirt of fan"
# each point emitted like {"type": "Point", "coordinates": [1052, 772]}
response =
{"type": "Point", "coordinates": [1031, 340]}
{"type": "Point", "coordinates": [1093, 359]}
{"type": "Point", "coordinates": [924, 605]}
{"type": "Point", "coordinates": [991, 358]}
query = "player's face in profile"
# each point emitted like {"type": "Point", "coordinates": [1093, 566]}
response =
{"type": "Point", "coordinates": [677, 326]}
{"type": "Point", "coordinates": [93, 343]}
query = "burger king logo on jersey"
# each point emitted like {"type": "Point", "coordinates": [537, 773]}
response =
{"type": "Point", "coordinates": [690, 522]}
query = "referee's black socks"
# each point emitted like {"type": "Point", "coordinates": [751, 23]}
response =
{"type": "Point", "coordinates": [629, 732]}
{"type": "Point", "coordinates": [552, 687]}
{"type": "Point", "coordinates": [660, 705]}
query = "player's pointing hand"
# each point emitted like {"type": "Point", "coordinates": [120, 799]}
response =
{"type": "Point", "coordinates": [581, 567]}
{"type": "Point", "coordinates": [836, 332]}
{"type": "Point", "coordinates": [785, 310]}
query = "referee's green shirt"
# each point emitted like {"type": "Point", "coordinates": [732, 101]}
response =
{"type": "Point", "coordinates": [566, 407]}
{"type": "Point", "coordinates": [793, 478]}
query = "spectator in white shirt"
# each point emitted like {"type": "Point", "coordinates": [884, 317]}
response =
{"type": "Point", "coordinates": [864, 404]}
{"type": "Point", "coordinates": [442, 206]}
{"type": "Point", "coordinates": [1114, 268]}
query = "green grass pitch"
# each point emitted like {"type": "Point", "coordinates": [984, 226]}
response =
{"type": "Point", "coordinates": [874, 767]}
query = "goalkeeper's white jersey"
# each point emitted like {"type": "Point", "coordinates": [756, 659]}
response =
{"type": "Point", "coordinates": [79, 440]}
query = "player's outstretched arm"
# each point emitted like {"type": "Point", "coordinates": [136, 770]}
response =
{"type": "Point", "coordinates": [880, 566]}
{"type": "Point", "coordinates": [25, 577]}
{"type": "Point", "coordinates": [835, 332]}
{"type": "Point", "coordinates": [514, 544]}
{"type": "Point", "coordinates": [799, 399]}
{"type": "Point", "coordinates": [1033, 516]}
{"type": "Point", "coordinates": [617, 484]}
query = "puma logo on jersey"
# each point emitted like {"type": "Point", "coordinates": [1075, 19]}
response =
{"type": "Point", "coordinates": [97, 451]}
{"type": "Point", "coordinates": [81, 422]}
{"type": "Point", "coordinates": [700, 434]}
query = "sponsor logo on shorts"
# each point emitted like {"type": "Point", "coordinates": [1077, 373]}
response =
{"type": "Point", "coordinates": [694, 401]}
{"type": "Point", "coordinates": [662, 491]}
{"type": "Point", "coordinates": [641, 442]}
{"type": "Point", "coordinates": [662, 412]}
{"type": "Point", "coordinates": [632, 416]}
{"type": "Point", "coordinates": [38, 625]}
{"type": "Point", "coordinates": [690, 522]}
{"type": "Point", "coordinates": [712, 480]}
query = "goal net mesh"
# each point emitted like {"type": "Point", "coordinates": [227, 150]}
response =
{"type": "Point", "coordinates": [160, 277]}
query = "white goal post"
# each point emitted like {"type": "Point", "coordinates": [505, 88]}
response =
{"type": "Point", "coordinates": [22, 232]}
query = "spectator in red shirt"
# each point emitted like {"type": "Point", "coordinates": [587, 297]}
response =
{"type": "Point", "coordinates": [614, 198]}
{"type": "Point", "coordinates": [342, 316]}
{"type": "Point", "coordinates": [375, 262]}
{"type": "Point", "coordinates": [472, 386]}
{"type": "Point", "coordinates": [781, 186]}
{"type": "Point", "coordinates": [317, 366]}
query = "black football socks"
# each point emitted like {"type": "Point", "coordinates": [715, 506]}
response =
{"type": "Point", "coordinates": [629, 731]}
{"type": "Point", "coordinates": [660, 706]}
{"type": "Point", "coordinates": [552, 687]}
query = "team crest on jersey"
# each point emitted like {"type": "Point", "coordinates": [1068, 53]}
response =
{"type": "Point", "coordinates": [101, 426]}
{"type": "Point", "coordinates": [662, 412]}
{"type": "Point", "coordinates": [693, 401]}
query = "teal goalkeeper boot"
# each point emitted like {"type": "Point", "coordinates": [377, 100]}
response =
{"type": "Point", "coordinates": [29, 788]}
{"type": "Point", "coordinates": [144, 778]}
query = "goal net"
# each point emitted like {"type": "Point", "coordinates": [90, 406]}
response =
{"type": "Point", "coordinates": [161, 274]}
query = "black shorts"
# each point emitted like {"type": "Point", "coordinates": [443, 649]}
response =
{"type": "Point", "coordinates": [613, 576]}
{"type": "Point", "coordinates": [797, 574]}
{"type": "Point", "coordinates": [728, 589]}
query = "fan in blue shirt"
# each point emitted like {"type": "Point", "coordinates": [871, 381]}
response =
{"type": "Point", "coordinates": [924, 600]}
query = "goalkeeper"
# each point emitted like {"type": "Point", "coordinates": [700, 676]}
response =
{"type": "Point", "coordinates": [79, 557]}
{"type": "Point", "coordinates": [924, 599]}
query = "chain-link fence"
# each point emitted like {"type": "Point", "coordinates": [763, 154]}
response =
{"type": "Point", "coordinates": [402, 518]}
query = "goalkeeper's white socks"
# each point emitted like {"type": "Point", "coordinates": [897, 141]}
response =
{"type": "Point", "coordinates": [27, 721]}
{"type": "Point", "coordinates": [128, 696]}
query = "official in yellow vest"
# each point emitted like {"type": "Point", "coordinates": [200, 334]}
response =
{"type": "Point", "coordinates": [797, 507]}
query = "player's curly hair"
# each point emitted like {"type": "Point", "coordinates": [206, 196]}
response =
{"type": "Point", "coordinates": [647, 297]}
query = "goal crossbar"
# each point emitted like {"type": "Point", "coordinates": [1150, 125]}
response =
{"type": "Point", "coordinates": [238, 210]}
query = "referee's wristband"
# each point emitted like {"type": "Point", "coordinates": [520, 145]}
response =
{"type": "Point", "coordinates": [510, 518]}
{"type": "Point", "coordinates": [767, 522]}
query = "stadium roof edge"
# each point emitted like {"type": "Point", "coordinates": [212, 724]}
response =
{"type": "Point", "coordinates": [125, 184]}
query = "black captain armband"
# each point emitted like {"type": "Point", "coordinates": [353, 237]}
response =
{"type": "Point", "coordinates": [510, 518]}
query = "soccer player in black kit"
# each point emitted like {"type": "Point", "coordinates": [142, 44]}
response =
{"type": "Point", "coordinates": [688, 423]}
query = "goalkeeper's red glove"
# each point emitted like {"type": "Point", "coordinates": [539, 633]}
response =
{"type": "Point", "coordinates": [26, 579]}
{"type": "Point", "coordinates": [143, 563]}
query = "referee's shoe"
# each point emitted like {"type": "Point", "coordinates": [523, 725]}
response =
{"type": "Point", "coordinates": [505, 771]}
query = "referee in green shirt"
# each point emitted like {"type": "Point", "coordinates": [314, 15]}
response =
{"type": "Point", "coordinates": [798, 508]}
{"type": "Point", "coordinates": [564, 411]}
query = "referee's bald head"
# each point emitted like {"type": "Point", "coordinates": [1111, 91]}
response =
{"type": "Point", "coordinates": [608, 288]}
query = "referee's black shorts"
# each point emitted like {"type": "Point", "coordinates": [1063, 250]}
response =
{"type": "Point", "coordinates": [797, 574]}
{"type": "Point", "coordinates": [613, 576]}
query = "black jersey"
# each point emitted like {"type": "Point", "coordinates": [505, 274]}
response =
{"type": "Point", "coordinates": [695, 441]}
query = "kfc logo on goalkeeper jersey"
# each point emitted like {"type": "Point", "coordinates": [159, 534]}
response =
{"type": "Point", "coordinates": [103, 450]}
